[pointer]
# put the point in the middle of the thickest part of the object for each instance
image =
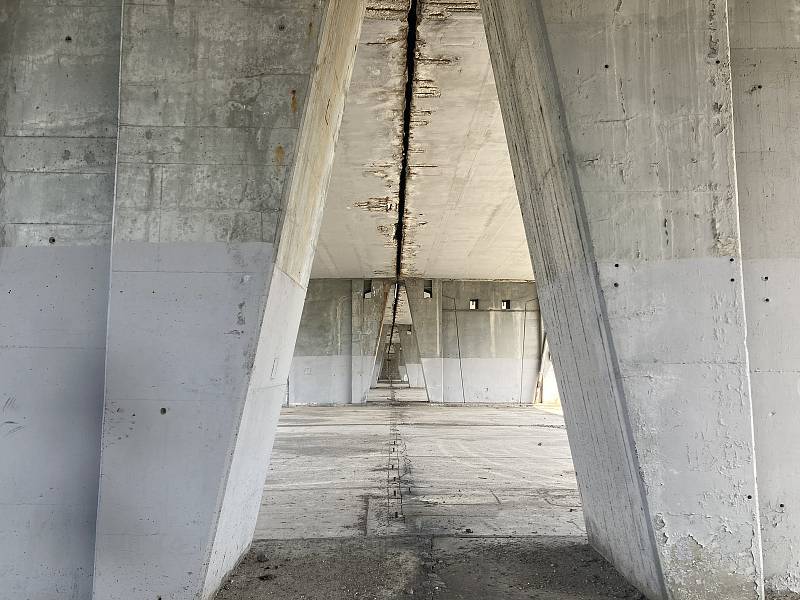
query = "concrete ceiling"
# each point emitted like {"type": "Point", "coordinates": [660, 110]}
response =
{"type": "Point", "coordinates": [462, 219]}
{"type": "Point", "coordinates": [356, 238]}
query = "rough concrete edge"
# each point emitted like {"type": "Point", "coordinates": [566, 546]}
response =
{"type": "Point", "coordinates": [286, 196]}
{"type": "Point", "coordinates": [583, 230]}
{"type": "Point", "coordinates": [108, 302]}
{"type": "Point", "coordinates": [757, 548]}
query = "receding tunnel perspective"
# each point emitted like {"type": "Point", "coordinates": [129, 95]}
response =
{"type": "Point", "coordinates": [391, 299]}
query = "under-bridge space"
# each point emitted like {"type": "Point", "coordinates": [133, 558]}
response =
{"type": "Point", "coordinates": [401, 499]}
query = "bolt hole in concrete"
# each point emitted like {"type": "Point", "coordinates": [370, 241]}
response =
{"type": "Point", "coordinates": [52, 240]}
{"type": "Point", "coordinates": [398, 499]}
{"type": "Point", "coordinates": [68, 38]}
{"type": "Point", "coordinates": [163, 411]}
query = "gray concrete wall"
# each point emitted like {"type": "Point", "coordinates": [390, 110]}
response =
{"type": "Point", "coordinates": [426, 314]}
{"type": "Point", "coordinates": [622, 148]}
{"type": "Point", "coordinates": [228, 120]}
{"type": "Point", "coordinates": [487, 355]}
{"type": "Point", "coordinates": [58, 111]}
{"type": "Point", "coordinates": [367, 322]}
{"type": "Point", "coordinates": [411, 358]}
{"type": "Point", "coordinates": [337, 342]}
{"type": "Point", "coordinates": [321, 366]}
{"type": "Point", "coordinates": [766, 92]}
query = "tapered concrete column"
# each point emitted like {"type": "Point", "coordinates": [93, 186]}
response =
{"type": "Point", "coordinates": [58, 111]}
{"type": "Point", "coordinates": [228, 120]}
{"type": "Point", "coordinates": [765, 49]}
{"type": "Point", "coordinates": [381, 355]}
{"type": "Point", "coordinates": [411, 356]}
{"type": "Point", "coordinates": [426, 314]}
{"type": "Point", "coordinates": [618, 116]}
{"type": "Point", "coordinates": [368, 309]}
{"type": "Point", "coordinates": [320, 372]}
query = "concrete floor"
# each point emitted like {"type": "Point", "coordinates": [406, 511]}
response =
{"type": "Point", "coordinates": [399, 500]}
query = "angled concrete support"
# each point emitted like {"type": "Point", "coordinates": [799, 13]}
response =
{"type": "Point", "coordinates": [58, 112]}
{"type": "Point", "coordinates": [411, 356]}
{"type": "Point", "coordinates": [487, 355]}
{"type": "Point", "coordinates": [426, 313]}
{"type": "Point", "coordinates": [228, 120]}
{"type": "Point", "coordinates": [320, 372]}
{"type": "Point", "coordinates": [368, 308]}
{"type": "Point", "coordinates": [765, 50]}
{"type": "Point", "coordinates": [622, 148]}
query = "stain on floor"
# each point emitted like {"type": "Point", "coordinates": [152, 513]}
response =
{"type": "Point", "coordinates": [426, 568]}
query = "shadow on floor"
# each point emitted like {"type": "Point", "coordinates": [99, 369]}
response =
{"type": "Point", "coordinates": [441, 568]}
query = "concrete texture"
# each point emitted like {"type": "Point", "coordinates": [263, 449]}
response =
{"type": "Point", "coordinates": [478, 468]}
{"type": "Point", "coordinates": [322, 363]}
{"type": "Point", "coordinates": [367, 317]}
{"type": "Point", "coordinates": [411, 358]}
{"type": "Point", "coordinates": [58, 112]}
{"type": "Point", "coordinates": [645, 315]}
{"type": "Point", "coordinates": [488, 508]}
{"type": "Point", "coordinates": [463, 220]}
{"type": "Point", "coordinates": [765, 49]}
{"type": "Point", "coordinates": [228, 120]}
{"type": "Point", "coordinates": [477, 356]}
{"type": "Point", "coordinates": [337, 343]}
{"type": "Point", "coordinates": [361, 210]}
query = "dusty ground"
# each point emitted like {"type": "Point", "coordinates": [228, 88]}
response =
{"type": "Point", "coordinates": [426, 568]}
{"type": "Point", "coordinates": [408, 500]}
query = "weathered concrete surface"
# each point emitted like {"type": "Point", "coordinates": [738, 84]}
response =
{"type": "Point", "coordinates": [228, 120]}
{"type": "Point", "coordinates": [462, 217]}
{"type": "Point", "coordinates": [477, 356]}
{"type": "Point", "coordinates": [322, 363]}
{"type": "Point", "coordinates": [337, 342]}
{"type": "Point", "coordinates": [58, 111]}
{"type": "Point", "coordinates": [411, 358]}
{"type": "Point", "coordinates": [489, 509]}
{"type": "Point", "coordinates": [427, 568]}
{"type": "Point", "coordinates": [361, 209]}
{"type": "Point", "coordinates": [490, 355]}
{"type": "Point", "coordinates": [479, 468]}
{"type": "Point", "coordinates": [367, 323]}
{"type": "Point", "coordinates": [765, 49]}
{"type": "Point", "coordinates": [633, 225]}
{"type": "Point", "coordinates": [427, 319]}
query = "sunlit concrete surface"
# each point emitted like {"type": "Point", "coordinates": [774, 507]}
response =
{"type": "Point", "coordinates": [431, 501]}
{"type": "Point", "coordinates": [493, 471]}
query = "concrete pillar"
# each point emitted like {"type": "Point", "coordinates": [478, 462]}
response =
{"type": "Point", "coordinates": [622, 149]}
{"type": "Point", "coordinates": [491, 355]}
{"type": "Point", "coordinates": [58, 111]}
{"type": "Point", "coordinates": [765, 49]}
{"type": "Point", "coordinates": [381, 354]}
{"type": "Point", "coordinates": [320, 372]}
{"type": "Point", "coordinates": [412, 358]}
{"type": "Point", "coordinates": [367, 317]}
{"type": "Point", "coordinates": [426, 314]}
{"type": "Point", "coordinates": [228, 119]}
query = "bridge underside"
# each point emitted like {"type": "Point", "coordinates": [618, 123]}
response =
{"type": "Point", "coordinates": [168, 170]}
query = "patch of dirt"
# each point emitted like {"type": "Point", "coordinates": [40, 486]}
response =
{"type": "Point", "coordinates": [426, 568]}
